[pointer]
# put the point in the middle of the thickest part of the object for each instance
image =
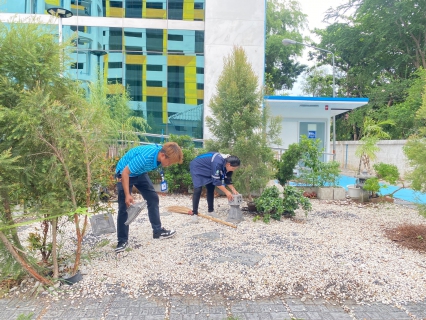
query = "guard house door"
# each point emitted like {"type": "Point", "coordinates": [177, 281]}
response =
{"type": "Point", "coordinates": [314, 130]}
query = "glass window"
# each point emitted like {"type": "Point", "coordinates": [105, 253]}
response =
{"type": "Point", "coordinates": [199, 42]}
{"type": "Point", "coordinates": [151, 83]}
{"type": "Point", "coordinates": [153, 67]}
{"type": "Point", "coordinates": [175, 37]}
{"type": "Point", "coordinates": [134, 81]}
{"type": "Point", "coordinates": [115, 65]}
{"type": "Point", "coordinates": [154, 41]}
{"type": "Point", "coordinates": [175, 9]}
{"type": "Point", "coordinates": [115, 40]}
{"type": "Point", "coordinates": [133, 9]}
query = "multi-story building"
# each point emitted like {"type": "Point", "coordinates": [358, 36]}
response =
{"type": "Point", "coordinates": [168, 53]}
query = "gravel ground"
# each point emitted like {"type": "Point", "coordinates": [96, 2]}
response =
{"type": "Point", "coordinates": [339, 251]}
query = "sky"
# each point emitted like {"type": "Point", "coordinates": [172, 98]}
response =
{"type": "Point", "coordinates": [316, 11]}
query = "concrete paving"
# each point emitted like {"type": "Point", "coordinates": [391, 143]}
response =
{"type": "Point", "coordinates": [121, 306]}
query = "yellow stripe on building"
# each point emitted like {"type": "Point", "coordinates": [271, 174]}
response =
{"type": "Point", "coordinates": [53, 2]}
{"type": "Point", "coordinates": [116, 12]}
{"type": "Point", "coordinates": [115, 88]}
{"type": "Point", "coordinates": [199, 14]}
{"type": "Point", "coordinates": [155, 13]}
{"type": "Point", "coordinates": [135, 59]}
{"type": "Point", "coordinates": [164, 41]}
{"type": "Point", "coordinates": [106, 59]}
{"type": "Point", "coordinates": [144, 9]}
{"type": "Point", "coordinates": [188, 10]}
{"type": "Point", "coordinates": [180, 61]}
{"type": "Point", "coordinates": [191, 81]}
{"type": "Point", "coordinates": [165, 110]}
{"type": "Point", "coordinates": [200, 94]}
{"type": "Point", "coordinates": [75, 6]}
{"type": "Point", "coordinates": [156, 91]}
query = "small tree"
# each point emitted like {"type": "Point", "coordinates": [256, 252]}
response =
{"type": "Point", "coordinates": [415, 149]}
{"type": "Point", "coordinates": [240, 125]}
{"type": "Point", "coordinates": [289, 159]}
{"type": "Point", "coordinates": [59, 136]}
{"type": "Point", "coordinates": [372, 132]}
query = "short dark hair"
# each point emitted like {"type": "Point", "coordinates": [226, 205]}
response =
{"type": "Point", "coordinates": [234, 161]}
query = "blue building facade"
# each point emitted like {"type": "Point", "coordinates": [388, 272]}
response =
{"type": "Point", "coordinates": [153, 48]}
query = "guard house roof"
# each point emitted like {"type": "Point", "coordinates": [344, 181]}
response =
{"type": "Point", "coordinates": [313, 107]}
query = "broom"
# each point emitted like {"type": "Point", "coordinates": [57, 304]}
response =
{"type": "Point", "coordinates": [185, 210]}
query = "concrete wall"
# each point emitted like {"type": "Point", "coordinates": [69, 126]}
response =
{"type": "Point", "coordinates": [229, 24]}
{"type": "Point", "coordinates": [391, 152]}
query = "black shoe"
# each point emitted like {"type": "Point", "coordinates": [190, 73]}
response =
{"type": "Point", "coordinates": [163, 234]}
{"type": "Point", "coordinates": [121, 246]}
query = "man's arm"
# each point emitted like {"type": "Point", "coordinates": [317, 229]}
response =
{"type": "Point", "coordinates": [126, 184]}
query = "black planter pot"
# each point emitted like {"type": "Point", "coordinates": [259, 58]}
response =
{"type": "Point", "coordinates": [74, 279]}
{"type": "Point", "coordinates": [287, 214]}
{"type": "Point", "coordinates": [251, 206]}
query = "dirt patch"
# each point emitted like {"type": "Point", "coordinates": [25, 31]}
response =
{"type": "Point", "coordinates": [410, 236]}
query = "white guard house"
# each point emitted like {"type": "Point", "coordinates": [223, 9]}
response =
{"type": "Point", "coordinates": [310, 116]}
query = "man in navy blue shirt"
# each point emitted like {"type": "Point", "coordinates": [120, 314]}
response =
{"type": "Point", "coordinates": [132, 170]}
{"type": "Point", "coordinates": [212, 170]}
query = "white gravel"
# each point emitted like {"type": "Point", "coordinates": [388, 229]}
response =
{"type": "Point", "coordinates": [338, 251]}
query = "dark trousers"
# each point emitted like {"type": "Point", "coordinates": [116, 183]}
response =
{"type": "Point", "coordinates": [197, 195]}
{"type": "Point", "coordinates": [146, 188]}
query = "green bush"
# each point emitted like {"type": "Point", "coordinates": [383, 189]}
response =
{"type": "Point", "coordinates": [293, 199]}
{"type": "Point", "coordinates": [387, 172]}
{"type": "Point", "coordinates": [372, 185]}
{"type": "Point", "coordinates": [178, 176]}
{"type": "Point", "coordinates": [270, 202]}
{"type": "Point", "coordinates": [272, 205]}
{"type": "Point", "coordinates": [288, 162]}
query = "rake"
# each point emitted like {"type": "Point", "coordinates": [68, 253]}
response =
{"type": "Point", "coordinates": [185, 210]}
{"type": "Point", "coordinates": [133, 211]}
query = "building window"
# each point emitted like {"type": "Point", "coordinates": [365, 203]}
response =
{"type": "Point", "coordinates": [115, 65]}
{"type": "Point", "coordinates": [115, 38]}
{"type": "Point", "coordinates": [115, 80]}
{"type": "Point", "coordinates": [175, 37]}
{"type": "Point", "coordinates": [151, 83]}
{"type": "Point", "coordinates": [175, 9]}
{"type": "Point", "coordinates": [200, 70]}
{"type": "Point", "coordinates": [134, 81]}
{"type": "Point", "coordinates": [175, 84]}
{"type": "Point", "coordinates": [79, 65]}
{"type": "Point", "coordinates": [199, 41]}
{"type": "Point", "coordinates": [154, 41]}
{"type": "Point", "coordinates": [133, 9]}
{"type": "Point", "coordinates": [133, 34]}
{"type": "Point", "coordinates": [154, 5]}
{"type": "Point", "coordinates": [154, 67]}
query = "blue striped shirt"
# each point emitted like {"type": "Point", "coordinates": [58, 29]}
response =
{"type": "Point", "coordinates": [139, 160]}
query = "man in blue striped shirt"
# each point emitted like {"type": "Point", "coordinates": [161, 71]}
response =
{"type": "Point", "coordinates": [132, 170]}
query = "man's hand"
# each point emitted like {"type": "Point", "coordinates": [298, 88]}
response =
{"type": "Point", "coordinates": [229, 196]}
{"type": "Point", "coordinates": [129, 200]}
{"type": "Point", "coordinates": [233, 189]}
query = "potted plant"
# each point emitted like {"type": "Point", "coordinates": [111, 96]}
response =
{"type": "Point", "coordinates": [385, 172]}
{"type": "Point", "coordinates": [328, 177]}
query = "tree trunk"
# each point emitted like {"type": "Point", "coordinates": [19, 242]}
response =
{"type": "Point", "coordinates": [9, 219]}
{"type": "Point", "coordinates": [54, 248]}
{"type": "Point", "coordinates": [22, 261]}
